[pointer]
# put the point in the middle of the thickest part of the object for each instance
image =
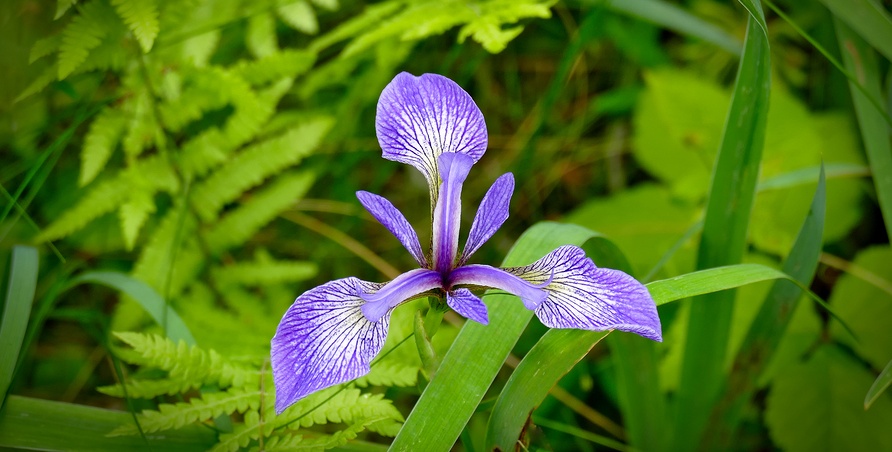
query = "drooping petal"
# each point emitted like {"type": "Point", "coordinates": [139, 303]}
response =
{"type": "Point", "coordinates": [395, 222]}
{"type": "Point", "coordinates": [486, 276]}
{"type": "Point", "coordinates": [580, 295]}
{"type": "Point", "coordinates": [491, 214]}
{"type": "Point", "coordinates": [324, 340]}
{"type": "Point", "coordinates": [447, 213]}
{"type": "Point", "coordinates": [402, 288]}
{"type": "Point", "coordinates": [419, 118]}
{"type": "Point", "coordinates": [468, 305]}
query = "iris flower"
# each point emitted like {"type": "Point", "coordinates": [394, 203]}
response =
{"type": "Point", "coordinates": [331, 333]}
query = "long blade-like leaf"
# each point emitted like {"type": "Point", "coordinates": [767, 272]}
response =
{"type": "Point", "coordinates": [16, 310]}
{"type": "Point", "coordinates": [478, 352]}
{"type": "Point", "coordinates": [881, 384]}
{"type": "Point", "coordinates": [868, 19]}
{"type": "Point", "coordinates": [723, 240]}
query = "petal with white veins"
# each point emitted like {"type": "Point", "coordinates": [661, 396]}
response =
{"type": "Point", "coordinates": [491, 214]}
{"type": "Point", "coordinates": [583, 296]}
{"type": "Point", "coordinates": [395, 222]}
{"type": "Point", "coordinates": [467, 305]}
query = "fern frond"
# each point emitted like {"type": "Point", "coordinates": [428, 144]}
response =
{"type": "Point", "coordinates": [310, 442]}
{"type": "Point", "coordinates": [198, 409]}
{"type": "Point", "coordinates": [288, 63]}
{"type": "Point", "coordinates": [254, 164]}
{"type": "Point", "coordinates": [62, 6]}
{"type": "Point", "coordinates": [147, 389]}
{"type": "Point", "coordinates": [202, 153]}
{"type": "Point", "coordinates": [214, 327]}
{"type": "Point", "coordinates": [142, 127]}
{"type": "Point", "coordinates": [349, 406]}
{"type": "Point", "coordinates": [239, 225]}
{"type": "Point", "coordinates": [38, 84]}
{"type": "Point", "coordinates": [390, 373]}
{"type": "Point", "coordinates": [133, 215]}
{"type": "Point", "coordinates": [261, 36]}
{"type": "Point", "coordinates": [204, 90]}
{"type": "Point", "coordinates": [330, 5]}
{"type": "Point", "coordinates": [252, 111]}
{"type": "Point", "coordinates": [157, 256]}
{"type": "Point", "coordinates": [142, 18]}
{"type": "Point", "coordinates": [101, 139]}
{"type": "Point", "coordinates": [300, 16]}
{"type": "Point", "coordinates": [371, 17]}
{"type": "Point", "coordinates": [84, 33]}
{"type": "Point", "coordinates": [263, 271]}
{"type": "Point", "coordinates": [188, 363]}
{"type": "Point", "coordinates": [487, 28]}
{"type": "Point", "coordinates": [44, 47]}
{"type": "Point", "coordinates": [241, 435]}
{"type": "Point", "coordinates": [108, 195]}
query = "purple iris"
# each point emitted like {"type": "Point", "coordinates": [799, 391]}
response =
{"type": "Point", "coordinates": [332, 332]}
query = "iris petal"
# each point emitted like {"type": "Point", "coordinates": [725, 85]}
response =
{"type": "Point", "coordinates": [401, 289]}
{"type": "Point", "coordinates": [324, 339]}
{"type": "Point", "coordinates": [468, 305]}
{"type": "Point", "coordinates": [447, 213]}
{"type": "Point", "coordinates": [490, 216]}
{"type": "Point", "coordinates": [395, 222]}
{"type": "Point", "coordinates": [582, 296]}
{"type": "Point", "coordinates": [419, 118]}
{"type": "Point", "coordinates": [486, 276]}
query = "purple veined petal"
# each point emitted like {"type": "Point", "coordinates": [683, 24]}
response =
{"type": "Point", "coordinates": [447, 213]}
{"type": "Point", "coordinates": [395, 222]}
{"type": "Point", "coordinates": [324, 340]}
{"type": "Point", "coordinates": [582, 296]}
{"type": "Point", "coordinates": [468, 305]}
{"type": "Point", "coordinates": [485, 276]}
{"type": "Point", "coordinates": [490, 216]}
{"type": "Point", "coordinates": [401, 289]}
{"type": "Point", "coordinates": [419, 118]}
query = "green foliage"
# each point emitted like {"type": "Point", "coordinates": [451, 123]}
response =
{"type": "Point", "coordinates": [142, 18]}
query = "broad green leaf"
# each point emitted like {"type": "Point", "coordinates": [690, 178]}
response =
{"type": "Point", "coordinates": [16, 309]}
{"type": "Point", "coordinates": [769, 326]}
{"type": "Point", "coordinates": [867, 309]}
{"type": "Point", "coordinates": [153, 304]}
{"type": "Point", "coordinates": [818, 405]}
{"type": "Point", "coordinates": [879, 385]}
{"type": "Point", "coordinates": [477, 354]}
{"type": "Point", "coordinates": [36, 424]}
{"type": "Point", "coordinates": [723, 240]}
{"type": "Point", "coordinates": [861, 60]}
{"type": "Point", "coordinates": [868, 19]}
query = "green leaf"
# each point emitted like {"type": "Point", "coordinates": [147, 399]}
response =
{"type": "Point", "coordinates": [861, 60]}
{"type": "Point", "coordinates": [769, 326]}
{"type": "Point", "coordinates": [882, 383]}
{"type": "Point", "coordinates": [153, 304]}
{"type": "Point", "coordinates": [300, 16]}
{"type": "Point", "coordinates": [868, 19]}
{"type": "Point", "coordinates": [476, 355]}
{"type": "Point", "coordinates": [866, 308]}
{"type": "Point", "coordinates": [44, 47]}
{"type": "Point", "coordinates": [142, 18]}
{"type": "Point", "coordinates": [36, 424]}
{"type": "Point", "coordinates": [134, 214]}
{"type": "Point", "coordinates": [104, 134]}
{"type": "Point", "coordinates": [20, 290]}
{"type": "Point", "coordinates": [84, 33]}
{"type": "Point", "coordinates": [62, 6]}
{"type": "Point", "coordinates": [818, 405]}
{"type": "Point", "coordinates": [723, 240]}
{"type": "Point", "coordinates": [261, 35]}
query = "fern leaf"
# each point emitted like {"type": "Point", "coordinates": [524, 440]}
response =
{"type": "Point", "coordinates": [38, 84]}
{"type": "Point", "coordinates": [188, 363]}
{"type": "Point", "coordinates": [202, 153]}
{"type": "Point", "coordinates": [299, 15]}
{"type": "Point", "coordinates": [310, 442]}
{"type": "Point", "coordinates": [205, 90]}
{"type": "Point", "coordinates": [84, 33]}
{"type": "Point", "coordinates": [254, 164]}
{"type": "Point", "coordinates": [62, 6]}
{"type": "Point", "coordinates": [101, 139]}
{"type": "Point", "coordinates": [349, 406]}
{"type": "Point", "coordinates": [142, 127]}
{"type": "Point", "coordinates": [239, 225]}
{"type": "Point", "coordinates": [265, 271]}
{"type": "Point", "coordinates": [158, 255]}
{"type": "Point", "coordinates": [490, 34]}
{"type": "Point", "coordinates": [142, 18]}
{"type": "Point", "coordinates": [288, 63]}
{"type": "Point", "coordinates": [330, 5]}
{"type": "Point", "coordinates": [388, 373]}
{"type": "Point", "coordinates": [241, 435]}
{"type": "Point", "coordinates": [44, 47]}
{"type": "Point", "coordinates": [147, 389]}
{"type": "Point", "coordinates": [198, 409]}
{"type": "Point", "coordinates": [134, 214]}
{"type": "Point", "coordinates": [252, 111]}
{"type": "Point", "coordinates": [261, 36]}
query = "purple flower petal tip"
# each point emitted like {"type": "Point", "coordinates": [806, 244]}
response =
{"type": "Point", "coordinates": [583, 296]}
{"type": "Point", "coordinates": [468, 305]}
{"type": "Point", "coordinates": [324, 340]}
{"type": "Point", "coordinates": [419, 118]}
{"type": "Point", "coordinates": [395, 222]}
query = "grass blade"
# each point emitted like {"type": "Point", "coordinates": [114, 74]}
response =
{"type": "Point", "coordinates": [881, 384]}
{"type": "Point", "coordinates": [16, 310]}
{"type": "Point", "coordinates": [861, 60]}
{"type": "Point", "coordinates": [723, 240]}
{"type": "Point", "coordinates": [868, 19]}
{"type": "Point", "coordinates": [478, 352]}
{"type": "Point", "coordinates": [769, 326]}
{"type": "Point", "coordinates": [145, 295]}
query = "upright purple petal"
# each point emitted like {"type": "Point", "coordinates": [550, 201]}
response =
{"type": "Point", "coordinates": [468, 305]}
{"type": "Point", "coordinates": [582, 296]}
{"type": "Point", "coordinates": [392, 219]}
{"type": "Point", "coordinates": [420, 118]}
{"type": "Point", "coordinates": [490, 216]}
{"type": "Point", "coordinates": [485, 276]}
{"type": "Point", "coordinates": [324, 340]}
{"type": "Point", "coordinates": [447, 213]}
{"type": "Point", "coordinates": [404, 287]}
